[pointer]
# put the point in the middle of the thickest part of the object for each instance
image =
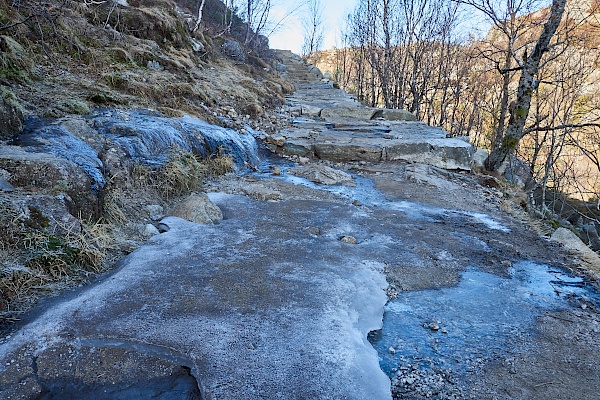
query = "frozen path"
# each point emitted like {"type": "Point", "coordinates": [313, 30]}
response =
{"type": "Point", "coordinates": [255, 308]}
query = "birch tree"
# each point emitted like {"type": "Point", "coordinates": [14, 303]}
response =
{"type": "Point", "coordinates": [313, 26]}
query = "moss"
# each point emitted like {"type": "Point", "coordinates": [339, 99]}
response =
{"type": "Point", "coordinates": [37, 220]}
{"type": "Point", "coordinates": [510, 142]}
{"type": "Point", "coordinates": [10, 98]}
{"type": "Point", "coordinates": [12, 69]}
{"type": "Point", "coordinates": [3, 16]}
{"type": "Point", "coordinates": [14, 63]}
{"type": "Point", "coordinates": [77, 107]}
{"type": "Point", "coordinates": [53, 255]}
{"type": "Point", "coordinates": [116, 80]}
{"type": "Point", "coordinates": [521, 112]}
{"type": "Point", "coordinates": [102, 98]}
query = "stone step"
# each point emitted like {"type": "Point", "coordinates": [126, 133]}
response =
{"type": "Point", "coordinates": [333, 126]}
{"type": "Point", "coordinates": [416, 143]}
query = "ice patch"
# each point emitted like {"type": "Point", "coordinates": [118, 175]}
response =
{"type": "Point", "coordinates": [484, 313]}
{"type": "Point", "coordinates": [487, 221]}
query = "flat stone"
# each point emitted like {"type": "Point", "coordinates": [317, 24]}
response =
{"type": "Point", "coordinates": [347, 112]}
{"type": "Point", "coordinates": [197, 208]}
{"type": "Point", "coordinates": [396, 115]}
{"type": "Point", "coordinates": [347, 152]}
{"type": "Point", "coordinates": [219, 300]}
{"type": "Point", "coordinates": [299, 147]}
{"type": "Point", "coordinates": [323, 174]}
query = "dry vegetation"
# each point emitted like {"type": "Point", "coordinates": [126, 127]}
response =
{"type": "Point", "coordinates": [38, 259]}
{"type": "Point", "coordinates": [63, 57]}
{"type": "Point", "coordinates": [470, 87]}
{"type": "Point", "coordinates": [105, 55]}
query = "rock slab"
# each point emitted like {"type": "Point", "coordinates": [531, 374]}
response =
{"type": "Point", "coordinates": [242, 306]}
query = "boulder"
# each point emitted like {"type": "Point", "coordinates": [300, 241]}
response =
{"type": "Point", "coordinates": [51, 213]}
{"type": "Point", "coordinates": [347, 112]}
{"type": "Point", "coordinates": [47, 173]}
{"type": "Point", "coordinates": [323, 174]}
{"type": "Point", "coordinates": [315, 70]}
{"type": "Point", "coordinates": [516, 171]}
{"type": "Point", "coordinates": [479, 158]}
{"type": "Point", "coordinates": [348, 239]}
{"type": "Point", "coordinates": [11, 119]}
{"type": "Point", "coordinates": [5, 186]}
{"type": "Point", "coordinates": [277, 140]}
{"type": "Point", "coordinates": [311, 111]}
{"type": "Point", "coordinates": [197, 46]}
{"type": "Point", "coordinates": [199, 209]}
{"type": "Point", "coordinates": [279, 67]}
{"type": "Point", "coordinates": [234, 50]}
{"type": "Point", "coordinates": [577, 247]}
{"type": "Point", "coordinates": [394, 115]}
{"type": "Point", "coordinates": [451, 154]}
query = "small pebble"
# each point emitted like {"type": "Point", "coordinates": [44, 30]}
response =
{"type": "Point", "coordinates": [434, 327]}
{"type": "Point", "coordinates": [348, 239]}
{"type": "Point", "coordinates": [313, 231]}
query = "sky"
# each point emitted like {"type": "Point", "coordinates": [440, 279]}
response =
{"type": "Point", "coordinates": [290, 35]}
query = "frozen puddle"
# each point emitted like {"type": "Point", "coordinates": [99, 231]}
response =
{"type": "Point", "coordinates": [367, 194]}
{"type": "Point", "coordinates": [484, 316]}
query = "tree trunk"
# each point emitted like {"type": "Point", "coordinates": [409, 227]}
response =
{"type": "Point", "coordinates": [527, 84]}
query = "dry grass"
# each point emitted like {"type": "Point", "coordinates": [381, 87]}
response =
{"type": "Point", "coordinates": [44, 261]}
{"type": "Point", "coordinates": [219, 165]}
{"type": "Point", "coordinates": [113, 204]}
{"type": "Point", "coordinates": [63, 255]}
{"type": "Point", "coordinates": [12, 225]}
{"type": "Point", "coordinates": [184, 172]}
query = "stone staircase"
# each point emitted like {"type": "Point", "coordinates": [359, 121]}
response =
{"type": "Point", "coordinates": [329, 124]}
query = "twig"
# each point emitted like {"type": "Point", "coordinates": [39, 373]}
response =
{"type": "Point", "coordinates": [3, 27]}
{"type": "Point", "coordinates": [544, 384]}
{"type": "Point", "coordinates": [561, 318]}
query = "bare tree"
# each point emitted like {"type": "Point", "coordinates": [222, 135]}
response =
{"type": "Point", "coordinates": [256, 14]}
{"type": "Point", "coordinates": [405, 54]}
{"type": "Point", "coordinates": [199, 18]}
{"type": "Point", "coordinates": [313, 26]}
{"type": "Point", "coordinates": [507, 140]}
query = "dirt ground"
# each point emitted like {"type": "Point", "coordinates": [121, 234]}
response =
{"type": "Point", "coordinates": [556, 358]}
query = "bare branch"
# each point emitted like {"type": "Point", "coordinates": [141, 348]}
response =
{"type": "Point", "coordinates": [8, 26]}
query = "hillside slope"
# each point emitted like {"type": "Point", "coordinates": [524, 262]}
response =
{"type": "Point", "coordinates": [65, 57]}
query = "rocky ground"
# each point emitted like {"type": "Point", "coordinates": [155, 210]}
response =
{"type": "Point", "coordinates": [293, 277]}
{"type": "Point", "coordinates": [63, 65]}
{"type": "Point", "coordinates": [286, 268]}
